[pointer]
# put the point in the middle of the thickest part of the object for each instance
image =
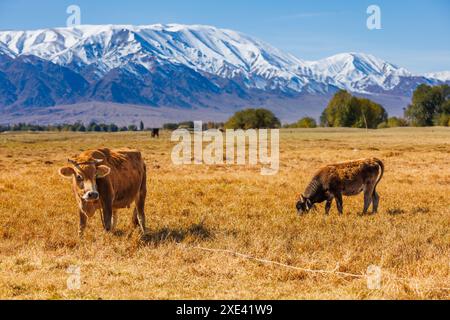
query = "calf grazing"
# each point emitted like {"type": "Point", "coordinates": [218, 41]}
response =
{"type": "Point", "coordinates": [108, 180]}
{"type": "Point", "coordinates": [346, 178]}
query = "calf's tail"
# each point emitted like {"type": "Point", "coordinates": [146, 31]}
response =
{"type": "Point", "coordinates": [381, 164]}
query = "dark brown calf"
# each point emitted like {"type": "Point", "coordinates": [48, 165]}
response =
{"type": "Point", "coordinates": [346, 178]}
{"type": "Point", "coordinates": [108, 180]}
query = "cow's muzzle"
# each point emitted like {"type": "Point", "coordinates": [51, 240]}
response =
{"type": "Point", "coordinates": [301, 208]}
{"type": "Point", "coordinates": [91, 196]}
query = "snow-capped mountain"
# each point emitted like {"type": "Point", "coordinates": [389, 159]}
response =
{"type": "Point", "coordinates": [356, 72]}
{"type": "Point", "coordinates": [443, 75]}
{"type": "Point", "coordinates": [223, 53]}
{"type": "Point", "coordinates": [184, 66]}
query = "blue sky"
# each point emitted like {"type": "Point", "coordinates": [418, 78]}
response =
{"type": "Point", "coordinates": [415, 34]}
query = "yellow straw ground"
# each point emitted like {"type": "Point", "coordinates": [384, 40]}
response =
{"type": "Point", "coordinates": [230, 208]}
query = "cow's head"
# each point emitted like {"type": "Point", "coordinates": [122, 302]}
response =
{"type": "Point", "coordinates": [304, 205]}
{"type": "Point", "coordinates": [85, 175]}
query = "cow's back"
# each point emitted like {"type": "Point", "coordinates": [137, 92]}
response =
{"type": "Point", "coordinates": [127, 174]}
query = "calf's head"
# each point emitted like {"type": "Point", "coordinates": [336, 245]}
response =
{"type": "Point", "coordinates": [304, 205]}
{"type": "Point", "coordinates": [84, 176]}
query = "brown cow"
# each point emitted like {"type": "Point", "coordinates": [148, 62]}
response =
{"type": "Point", "coordinates": [345, 178]}
{"type": "Point", "coordinates": [108, 180]}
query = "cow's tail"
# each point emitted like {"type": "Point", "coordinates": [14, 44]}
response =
{"type": "Point", "coordinates": [381, 164]}
{"type": "Point", "coordinates": [143, 187]}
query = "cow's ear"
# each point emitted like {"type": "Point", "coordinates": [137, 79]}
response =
{"type": "Point", "coordinates": [66, 172]}
{"type": "Point", "coordinates": [102, 171]}
{"type": "Point", "coordinates": [98, 156]}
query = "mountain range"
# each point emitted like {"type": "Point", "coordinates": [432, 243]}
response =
{"type": "Point", "coordinates": [160, 73]}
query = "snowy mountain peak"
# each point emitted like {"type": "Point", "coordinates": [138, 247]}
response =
{"type": "Point", "coordinates": [358, 71]}
{"type": "Point", "coordinates": [206, 49]}
{"type": "Point", "coordinates": [442, 76]}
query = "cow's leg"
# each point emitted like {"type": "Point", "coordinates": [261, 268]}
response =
{"type": "Point", "coordinates": [139, 212]}
{"type": "Point", "coordinates": [140, 203]}
{"type": "Point", "coordinates": [107, 213]}
{"type": "Point", "coordinates": [83, 222]}
{"type": "Point", "coordinates": [134, 219]}
{"type": "Point", "coordinates": [328, 206]}
{"type": "Point", "coordinates": [376, 199]}
{"type": "Point", "coordinates": [115, 218]}
{"type": "Point", "coordinates": [339, 203]}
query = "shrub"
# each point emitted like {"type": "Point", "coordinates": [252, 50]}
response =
{"type": "Point", "coordinates": [345, 110]}
{"type": "Point", "coordinates": [253, 119]}
{"type": "Point", "coordinates": [429, 105]}
{"type": "Point", "coordinates": [383, 125]}
{"type": "Point", "coordinates": [306, 122]}
{"type": "Point", "coordinates": [397, 122]}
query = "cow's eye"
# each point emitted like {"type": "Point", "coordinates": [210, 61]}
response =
{"type": "Point", "coordinates": [79, 178]}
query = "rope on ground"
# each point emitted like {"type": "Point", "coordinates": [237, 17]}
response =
{"type": "Point", "coordinates": [318, 271]}
{"type": "Point", "coordinates": [266, 261]}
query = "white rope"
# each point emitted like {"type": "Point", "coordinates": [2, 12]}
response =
{"type": "Point", "coordinates": [319, 271]}
{"type": "Point", "coordinates": [246, 256]}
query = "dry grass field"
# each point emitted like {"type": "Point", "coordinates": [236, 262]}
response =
{"type": "Point", "coordinates": [232, 208]}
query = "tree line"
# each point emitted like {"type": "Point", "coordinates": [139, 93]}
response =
{"type": "Point", "coordinates": [75, 127]}
{"type": "Point", "coordinates": [430, 105]}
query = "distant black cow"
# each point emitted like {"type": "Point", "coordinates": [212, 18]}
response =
{"type": "Point", "coordinates": [155, 133]}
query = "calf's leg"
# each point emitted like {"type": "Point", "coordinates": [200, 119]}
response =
{"type": "Point", "coordinates": [376, 199]}
{"type": "Point", "coordinates": [339, 203]}
{"type": "Point", "coordinates": [367, 199]}
{"type": "Point", "coordinates": [328, 206]}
